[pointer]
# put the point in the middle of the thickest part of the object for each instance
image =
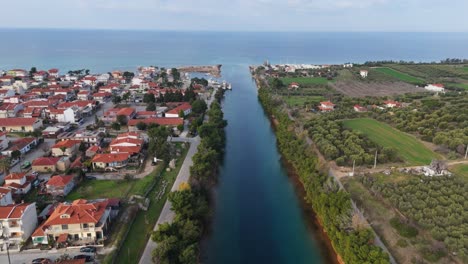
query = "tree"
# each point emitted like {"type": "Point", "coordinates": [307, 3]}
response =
{"type": "Point", "coordinates": [126, 96]}
{"type": "Point", "coordinates": [116, 99]}
{"type": "Point", "coordinates": [181, 114]}
{"type": "Point", "coordinates": [5, 165]}
{"type": "Point", "coordinates": [115, 126]}
{"type": "Point", "coordinates": [149, 98]}
{"type": "Point", "coordinates": [175, 74]}
{"type": "Point", "coordinates": [82, 147]}
{"type": "Point", "coordinates": [32, 71]}
{"type": "Point", "coordinates": [158, 145]}
{"type": "Point", "coordinates": [141, 125]}
{"type": "Point", "coordinates": [16, 154]}
{"type": "Point", "coordinates": [122, 119]}
{"type": "Point", "coordinates": [151, 107]}
{"type": "Point", "coordinates": [199, 106]}
{"type": "Point", "coordinates": [277, 84]}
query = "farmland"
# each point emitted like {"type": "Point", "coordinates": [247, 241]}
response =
{"type": "Point", "coordinates": [431, 72]}
{"type": "Point", "coordinates": [400, 75]}
{"type": "Point", "coordinates": [363, 89]}
{"type": "Point", "coordinates": [294, 101]}
{"type": "Point", "coordinates": [409, 148]}
{"type": "Point", "coordinates": [305, 81]}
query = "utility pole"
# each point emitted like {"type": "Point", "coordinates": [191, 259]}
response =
{"type": "Point", "coordinates": [375, 159]}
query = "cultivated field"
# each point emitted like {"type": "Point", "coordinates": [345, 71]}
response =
{"type": "Point", "coordinates": [305, 80]}
{"type": "Point", "coordinates": [432, 72]}
{"type": "Point", "coordinates": [399, 75]}
{"type": "Point", "coordinates": [363, 89]}
{"type": "Point", "coordinates": [410, 149]}
{"type": "Point", "coordinates": [297, 100]}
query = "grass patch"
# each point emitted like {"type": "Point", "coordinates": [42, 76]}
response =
{"type": "Point", "coordinates": [410, 149]}
{"type": "Point", "coordinates": [459, 85]}
{"type": "Point", "coordinates": [400, 76]}
{"type": "Point", "coordinates": [94, 189]}
{"type": "Point", "coordinates": [460, 170]}
{"type": "Point", "coordinates": [295, 100]}
{"type": "Point", "coordinates": [142, 227]}
{"type": "Point", "coordinates": [306, 81]}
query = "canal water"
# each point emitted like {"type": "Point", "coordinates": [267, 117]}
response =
{"type": "Point", "coordinates": [258, 217]}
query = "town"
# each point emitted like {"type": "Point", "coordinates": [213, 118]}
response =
{"type": "Point", "coordinates": [82, 152]}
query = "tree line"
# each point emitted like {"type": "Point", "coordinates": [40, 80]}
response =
{"type": "Point", "coordinates": [331, 205]}
{"type": "Point", "coordinates": [179, 241]}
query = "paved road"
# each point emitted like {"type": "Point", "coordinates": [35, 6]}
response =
{"type": "Point", "coordinates": [167, 215]}
{"type": "Point", "coordinates": [34, 154]}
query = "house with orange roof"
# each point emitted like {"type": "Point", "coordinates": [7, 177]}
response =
{"type": "Point", "coordinates": [359, 108]}
{"type": "Point", "coordinates": [10, 109]}
{"type": "Point", "coordinates": [20, 124]}
{"type": "Point", "coordinates": [392, 104]}
{"type": "Point", "coordinates": [162, 121]}
{"type": "Point", "coordinates": [110, 161]}
{"type": "Point", "coordinates": [91, 151]}
{"type": "Point", "coordinates": [18, 183]}
{"type": "Point", "coordinates": [60, 185]}
{"type": "Point", "coordinates": [67, 147]}
{"type": "Point", "coordinates": [18, 223]}
{"type": "Point", "coordinates": [127, 144]}
{"type": "Point", "coordinates": [326, 106]}
{"type": "Point", "coordinates": [186, 108]}
{"type": "Point", "coordinates": [51, 164]}
{"type": "Point", "coordinates": [112, 114]}
{"type": "Point", "coordinates": [24, 145]}
{"type": "Point", "coordinates": [6, 197]}
{"type": "Point", "coordinates": [79, 222]}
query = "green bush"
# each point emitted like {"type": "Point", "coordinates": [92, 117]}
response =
{"type": "Point", "coordinates": [402, 243]}
{"type": "Point", "coordinates": [403, 229]}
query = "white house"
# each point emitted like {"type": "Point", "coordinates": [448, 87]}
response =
{"type": "Point", "coordinates": [63, 115]}
{"type": "Point", "coordinates": [5, 197]}
{"type": "Point", "coordinates": [436, 87]}
{"type": "Point", "coordinates": [185, 107]}
{"type": "Point", "coordinates": [364, 73]}
{"type": "Point", "coordinates": [18, 222]}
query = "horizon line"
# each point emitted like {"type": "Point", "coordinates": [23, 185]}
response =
{"type": "Point", "coordinates": [222, 31]}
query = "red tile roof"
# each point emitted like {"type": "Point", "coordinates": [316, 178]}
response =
{"type": "Point", "coordinates": [60, 180]}
{"type": "Point", "coordinates": [158, 120]}
{"type": "Point", "coordinates": [17, 121]}
{"type": "Point", "coordinates": [183, 107]}
{"type": "Point", "coordinates": [15, 176]}
{"type": "Point", "coordinates": [13, 211]}
{"type": "Point", "coordinates": [44, 161]}
{"type": "Point", "coordinates": [126, 111]}
{"type": "Point", "coordinates": [108, 158]}
{"type": "Point", "coordinates": [66, 143]}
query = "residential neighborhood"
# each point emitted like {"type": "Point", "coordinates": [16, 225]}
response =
{"type": "Point", "coordinates": [59, 131]}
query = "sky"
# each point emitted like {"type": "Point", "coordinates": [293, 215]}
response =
{"type": "Point", "coordinates": [240, 15]}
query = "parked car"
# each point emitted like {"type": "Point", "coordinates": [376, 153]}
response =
{"type": "Point", "coordinates": [35, 173]}
{"type": "Point", "coordinates": [25, 165]}
{"type": "Point", "coordinates": [41, 261]}
{"type": "Point", "coordinates": [36, 183]}
{"type": "Point", "coordinates": [88, 258]}
{"type": "Point", "coordinates": [88, 249]}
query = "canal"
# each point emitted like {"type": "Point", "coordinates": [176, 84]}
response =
{"type": "Point", "coordinates": [258, 216]}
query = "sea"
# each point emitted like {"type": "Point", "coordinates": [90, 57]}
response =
{"type": "Point", "coordinates": [258, 214]}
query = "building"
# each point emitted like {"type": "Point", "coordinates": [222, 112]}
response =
{"type": "Point", "coordinates": [6, 198]}
{"type": "Point", "coordinates": [126, 144]}
{"type": "Point", "coordinates": [66, 148]}
{"type": "Point", "coordinates": [436, 87]}
{"type": "Point", "coordinates": [162, 121]}
{"type": "Point", "coordinates": [326, 106]}
{"type": "Point", "coordinates": [112, 114]}
{"type": "Point", "coordinates": [78, 223]}
{"type": "Point", "coordinates": [60, 185]}
{"type": "Point", "coordinates": [10, 109]}
{"type": "Point", "coordinates": [112, 161]}
{"type": "Point", "coordinates": [186, 108]}
{"type": "Point", "coordinates": [18, 124]}
{"type": "Point", "coordinates": [364, 73]}
{"type": "Point", "coordinates": [23, 145]}
{"type": "Point", "coordinates": [18, 183]}
{"type": "Point", "coordinates": [18, 223]}
{"type": "Point", "coordinates": [360, 109]}
{"type": "Point", "coordinates": [91, 151]}
{"type": "Point", "coordinates": [392, 104]}
{"type": "Point", "coordinates": [294, 86]}
{"type": "Point", "coordinates": [51, 164]}
{"type": "Point", "coordinates": [88, 137]}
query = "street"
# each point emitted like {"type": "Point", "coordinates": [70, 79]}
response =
{"type": "Point", "coordinates": [26, 257]}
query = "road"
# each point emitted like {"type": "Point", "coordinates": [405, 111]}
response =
{"type": "Point", "coordinates": [27, 257]}
{"type": "Point", "coordinates": [167, 215]}
{"type": "Point", "coordinates": [34, 154]}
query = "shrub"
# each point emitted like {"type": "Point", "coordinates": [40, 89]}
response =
{"type": "Point", "coordinates": [403, 229]}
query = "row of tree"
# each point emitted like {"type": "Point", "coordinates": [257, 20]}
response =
{"type": "Point", "coordinates": [331, 205]}
{"type": "Point", "coordinates": [178, 242]}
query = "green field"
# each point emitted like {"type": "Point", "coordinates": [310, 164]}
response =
{"type": "Point", "coordinates": [306, 80]}
{"type": "Point", "coordinates": [295, 100]}
{"type": "Point", "coordinates": [400, 76]}
{"type": "Point", "coordinates": [459, 85]}
{"type": "Point", "coordinates": [410, 149]}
